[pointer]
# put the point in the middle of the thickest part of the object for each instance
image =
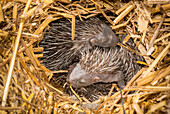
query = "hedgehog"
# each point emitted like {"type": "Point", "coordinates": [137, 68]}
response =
{"type": "Point", "coordinates": [105, 65]}
{"type": "Point", "coordinates": [60, 51]}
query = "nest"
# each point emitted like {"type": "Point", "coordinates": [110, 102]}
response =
{"type": "Point", "coordinates": [25, 85]}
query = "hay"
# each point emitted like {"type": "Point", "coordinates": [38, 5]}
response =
{"type": "Point", "coordinates": [24, 81]}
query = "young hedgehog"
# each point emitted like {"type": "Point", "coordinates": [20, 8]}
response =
{"type": "Point", "coordinates": [60, 52]}
{"type": "Point", "coordinates": [105, 65]}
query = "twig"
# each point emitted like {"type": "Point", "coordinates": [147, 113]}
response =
{"type": "Point", "coordinates": [25, 101]}
{"type": "Point", "coordinates": [155, 34]}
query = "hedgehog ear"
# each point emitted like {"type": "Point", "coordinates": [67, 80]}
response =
{"type": "Point", "coordinates": [96, 79]}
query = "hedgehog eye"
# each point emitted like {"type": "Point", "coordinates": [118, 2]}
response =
{"type": "Point", "coordinates": [93, 41]}
{"type": "Point", "coordinates": [82, 80]}
{"type": "Point", "coordinates": [96, 79]}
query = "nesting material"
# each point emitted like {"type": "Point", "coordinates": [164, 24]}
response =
{"type": "Point", "coordinates": [25, 84]}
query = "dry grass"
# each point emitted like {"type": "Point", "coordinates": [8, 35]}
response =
{"type": "Point", "coordinates": [24, 82]}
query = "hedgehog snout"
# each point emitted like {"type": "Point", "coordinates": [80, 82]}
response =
{"type": "Point", "coordinates": [106, 38]}
{"type": "Point", "coordinates": [76, 77]}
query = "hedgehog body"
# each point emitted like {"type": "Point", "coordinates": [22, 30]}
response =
{"type": "Point", "coordinates": [105, 65]}
{"type": "Point", "coordinates": [60, 51]}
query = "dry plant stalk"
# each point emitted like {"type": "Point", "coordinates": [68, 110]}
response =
{"type": "Point", "coordinates": [1, 14]}
{"type": "Point", "coordinates": [14, 56]}
{"type": "Point", "coordinates": [123, 14]}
